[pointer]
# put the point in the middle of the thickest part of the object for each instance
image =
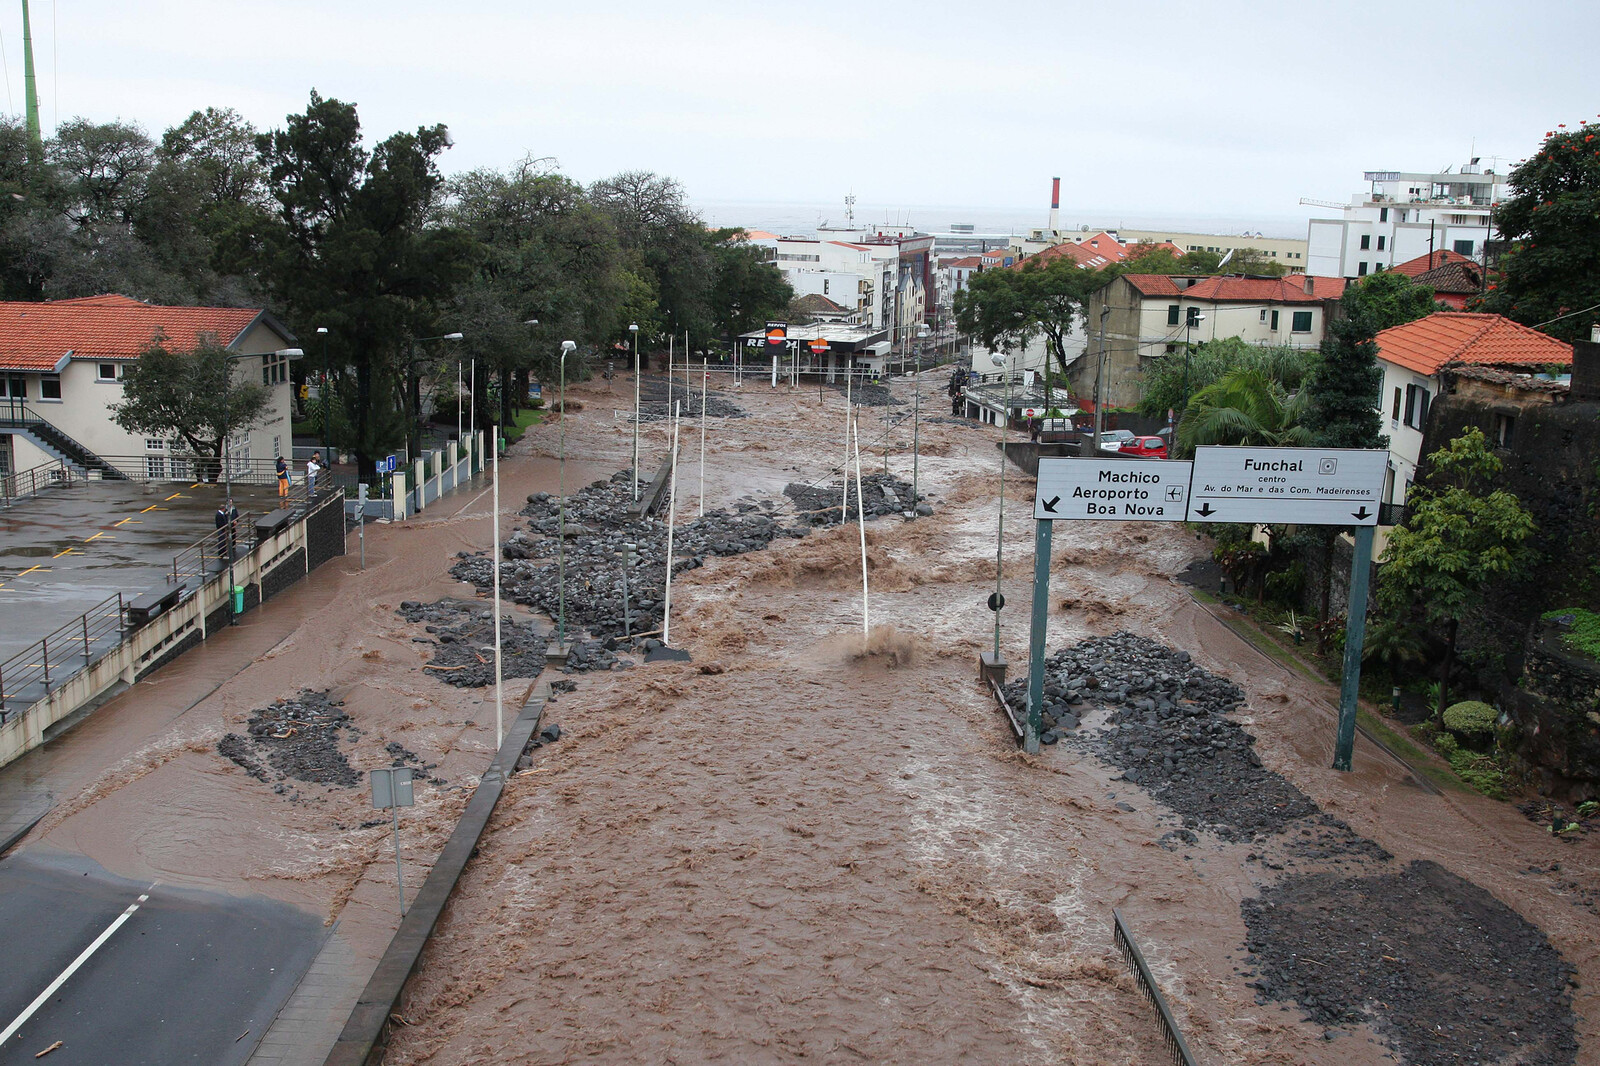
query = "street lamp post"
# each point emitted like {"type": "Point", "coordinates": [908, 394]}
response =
{"type": "Point", "coordinates": [998, 359]}
{"type": "Point", "coordinates": [327, 373]}
{"type": "Point", "coordinates": [916, 424]}
{"type": "Point", "coordinates": [633, 329]}
{"type": "Point", "coordinates": [1188, 347]}
{"type": "Point", "coordinates": [416, 389]}
{"type": "Point", "coordinates": [561, 509]}
{"type": "Point", "coordinates": [1099, 372]}
{"type": "Point", "coordinates": [227, 460]}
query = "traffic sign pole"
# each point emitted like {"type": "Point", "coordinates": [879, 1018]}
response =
{"type": "Point", "coordinates": [1354, 637]}
{"type": "Point", "coordinates": [1036, 634]}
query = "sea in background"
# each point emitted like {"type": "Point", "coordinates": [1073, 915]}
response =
{"type": "Point", "coordinates": [802, 219]}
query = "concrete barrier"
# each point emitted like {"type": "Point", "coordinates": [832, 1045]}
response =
{"type": "Point", "coordinates": [366, 1033]}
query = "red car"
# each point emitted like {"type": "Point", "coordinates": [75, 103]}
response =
{"type": "Point", "coordinates": [1144, 448]}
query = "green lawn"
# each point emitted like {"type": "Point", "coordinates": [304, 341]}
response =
{"type": "Point", "coordinates": [520, 423]}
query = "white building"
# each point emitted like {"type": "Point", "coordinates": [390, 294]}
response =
{"type": "Point", "coordinates": [886, 275]}
{"type": "Point", "coordinates": [1402, 216]}
{"type": "Point", "coordinates": [61, 365]}
{"type": "Point", "coordinates": [1412, 356]}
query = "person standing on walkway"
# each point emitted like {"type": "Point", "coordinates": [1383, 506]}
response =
{"type": "Point", "coordinates": [283, 478]}
{"type": "Point", "coordinates": [313, 468]}
{"type": "Point", "coordinates": [227, 518]}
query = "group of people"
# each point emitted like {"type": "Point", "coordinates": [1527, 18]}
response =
{"type": "Point", "coordinates": [958, 381]}
{"type": "Point", "coordinates": [314, 466]}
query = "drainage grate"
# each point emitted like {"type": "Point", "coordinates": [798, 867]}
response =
{"type": "Point", "coordinates": [1147, 984]}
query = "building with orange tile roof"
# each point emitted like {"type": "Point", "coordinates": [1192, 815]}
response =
{"type": "Point", "coordinates": [61, 364]}
{"type": "Point", "coordinates": [1414, 355]}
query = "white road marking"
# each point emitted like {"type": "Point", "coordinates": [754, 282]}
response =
{"type": "Point", "coordinates": [44, 997]}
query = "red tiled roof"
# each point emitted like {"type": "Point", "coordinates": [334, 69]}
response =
{"type": "Point", "coordinates": [964, 263]}
{"type": "Point", "coordinates": [38, 336]}
{"type": "Point", "coordinates": [1412, 267]}
{"type": "Point", "coordinates": [1447, 337]}
{"type": "Point", "coordinates": [1460, 279]}
{"type": "Point", "coordinates": [1229, 288]}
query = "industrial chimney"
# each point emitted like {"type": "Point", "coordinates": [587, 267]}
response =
{"type": "Point", "coordinates": [1055, 207]}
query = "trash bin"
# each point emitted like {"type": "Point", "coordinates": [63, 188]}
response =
{"type": "Point", "coordinates": [238, 599]}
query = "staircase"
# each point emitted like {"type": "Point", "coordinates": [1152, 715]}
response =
{"type": "Point", "coordinates": [17, 417]}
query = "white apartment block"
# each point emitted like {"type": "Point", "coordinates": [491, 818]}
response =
{"type": "Point", "coordinates": [1403, 216]}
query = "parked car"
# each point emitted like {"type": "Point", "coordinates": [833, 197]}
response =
{"type": "Point", "coordinates": [1113, 439]}
{"type": "Point", "coordinates": [1144, 448]}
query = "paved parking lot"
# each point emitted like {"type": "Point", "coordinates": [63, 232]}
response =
{"type": "Point", "coordinates": [67, 549]}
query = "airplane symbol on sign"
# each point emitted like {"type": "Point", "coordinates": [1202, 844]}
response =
{"type": "Point", "coordinates": [1174, 493]}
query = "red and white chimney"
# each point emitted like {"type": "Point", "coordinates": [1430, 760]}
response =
{"type": "Point", "coordinates": [1055, 205]}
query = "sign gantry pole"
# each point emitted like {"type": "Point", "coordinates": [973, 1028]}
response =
{"type": "Point", "coordinates": [1036, 634]}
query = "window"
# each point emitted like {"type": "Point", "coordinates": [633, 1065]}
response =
{"type": "Point", "coordinates": [1274, 326]}
{"type": "Point", "coordinates": [50, 387]}
{"type": "Point", "coordinates": [1301, 322]}
{"type": "Point", "coordinates": [1361, 269]}
{"type": "Point", "coordinates": [1465, 220]}
{"type": "Point", "coordinates": [1464, 247]}
{"type": "Point", "coordinates": [824, 292]}
{"type": "Point", "coordinates": [1172, 349]}
{"type": "Point", "coordinates": [1193, 318]}
{"type": "Point", "coordinates": [1366, 241]}
{"type": "Point", "coordinates": [1380, 243]}
{"type": "Point", "coordinates": [1263, 314]}
{"type": "Point", "coordinates": [155, 460]}
{"type": "Point", "coordinates": [274, 369]}
{"type": "Point", "coordinates": [106, 372]}
{"type": "Point", "coordinates": [1503, 425]}
{"type": "Point", "coordinates": [1383, 216]}
{"type": "Point", "coordinates": [1416, 406]}
{"type": "Point", "coordinates": [13, 387]}
{"type": "Point", "coordinates": [1172, 314]}
{"type": "Point", "coordinates": [1395, 414]}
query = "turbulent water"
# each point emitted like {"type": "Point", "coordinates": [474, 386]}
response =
{"type": "Point", "coordinates": [815, 840]}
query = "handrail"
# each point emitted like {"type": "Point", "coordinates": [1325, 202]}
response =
{"type": "Point", "coordinates": [32, 664]}
{"type": "Point", "coordinates": [191, 561]}
{"type": "Point", "coordinates": [24, 483]}
{"type": "Point", "coordinates": [1152, 992]}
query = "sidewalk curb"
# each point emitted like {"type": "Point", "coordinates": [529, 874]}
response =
{"type": "Point", "coordinates": [366, 1033]}
{"type": "Point", "coordinates": [10, 840]}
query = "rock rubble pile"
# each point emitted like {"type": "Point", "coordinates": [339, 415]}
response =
{"type": "Point", "coordinates": [295, 738]}
{"type": "Point", "coordinates": [463, 634]}
{"type": "Point", "coordinates": [820, 505]}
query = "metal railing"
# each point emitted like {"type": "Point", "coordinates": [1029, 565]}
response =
{"type": "Point", "coordinates": [162, 466]}
{"type": "Point", "coordinates": [59, 656]}
{"type": "Point", "coordinates": [35, 479]}
{"type": "Point", "coordinates": [1176, 1047]}
{"type": "Point", "coordinates": [213, 548]}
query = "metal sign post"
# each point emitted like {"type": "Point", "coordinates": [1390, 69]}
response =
{"type": "Point", "coordinates": [1256, 486]}
{"type": "Point", "coordinates": [391, 790]}
{"type": "Point", "coordinates": [361, 520]}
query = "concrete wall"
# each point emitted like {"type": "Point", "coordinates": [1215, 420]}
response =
{"type": "Point", "coordinates": [272, 566]}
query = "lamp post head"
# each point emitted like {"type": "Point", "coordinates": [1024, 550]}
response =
{"type": "Point", "coordinates": [530, 322]}
{"type": "Point", "coordinates": [322, 329]}
{"type": "Point", "coordinates": [451, 337]}
{"type": "Point", "coordinates": [997, 358]}
{"type": "Point", "coordinates": [289, 353]}
{"type": "Point", "coordinates": [568, 346]}
{"type": "Point", "coordinates": [633, 328]}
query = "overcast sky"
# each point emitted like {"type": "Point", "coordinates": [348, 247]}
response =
{"type": "Point", "coordinates": [1214, 109]}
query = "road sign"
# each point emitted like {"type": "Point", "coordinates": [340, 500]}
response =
{"type": "Point", "coordinates": [1306, 486]}
{"type": "Point", "coordinates": [391, 787]}
{"type": "Point", "coordinates": [1112, 490]}
{"type": "Point", "coordinates": [386, 465]}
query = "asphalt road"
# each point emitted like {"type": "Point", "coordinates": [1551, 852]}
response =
{"type": "Point", "coordinates": [187, 977]}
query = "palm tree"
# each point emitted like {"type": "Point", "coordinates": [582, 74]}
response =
{"type": "Point", "coordinates": [1244, 406]}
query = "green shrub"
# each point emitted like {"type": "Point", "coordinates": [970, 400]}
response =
{"type": "Point", "coordinates": [1427, 732]}
{"type": "Point", "coordinates": [1446, 744]}
{"type": "Point", "coordinates": [1470, 718]}
{"type": "Point", "coordinates": [1582, 633]}
{"type": "Point", "coordinates": [1482, 772]}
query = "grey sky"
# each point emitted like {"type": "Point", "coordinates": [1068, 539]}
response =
{"type": "Point", "coordinates": [1201, 109]}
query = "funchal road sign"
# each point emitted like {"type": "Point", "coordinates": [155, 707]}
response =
{"type": "Point", "coordinates": [1277, 486]}
{"type": "Point", "coordinates": [1305, 486]}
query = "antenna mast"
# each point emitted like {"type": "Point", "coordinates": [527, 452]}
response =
{"type": "Point", "coordinates": [30, 90]}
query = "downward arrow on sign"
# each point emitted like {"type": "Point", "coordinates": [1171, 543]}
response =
{"type": "Point", "coordinates": [1361, 515]}
{"type": "Point", "coordinates": [1205, 510]}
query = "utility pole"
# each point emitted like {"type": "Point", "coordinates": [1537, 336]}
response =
{"type": "Point", "coordinates": [31, 92]}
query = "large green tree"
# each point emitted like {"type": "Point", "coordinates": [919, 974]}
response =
{"type": "Point", "coordinates": [1550, 273]}
{"type": "Point", "coordinates": [1460, 533]}
{"type": "Point", "coordinates": [666, 242]}
{"type": "Point", "coordinates": [354, 246]}
{"type": "Point", "coordinates": [197, 395]}
{"type": "Point", "coordinates": [1007, 308]}
{"type": "Point", "coordinates": [1172, 380]}
{"type": "Point", "coordinates": [746, 289]}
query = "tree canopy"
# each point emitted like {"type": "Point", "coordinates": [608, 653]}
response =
{"type": "Point", "coordinates": [1550, 273]}
{"type": "Point", "coordinates": [1244, 406]}
{"type": "Point", "coordinates": [1008, 308]}
{"type": "Point", "coordinates": [1386, 299]}
{"type": "Point", "coordinates": [1172, 380]}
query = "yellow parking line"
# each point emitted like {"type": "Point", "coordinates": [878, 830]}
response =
{"type": "Point", "coordinates": [152, 507]}
{"type": "Point", "coordinates": [31, 569]}
{"type": "Point", "coordinates": [98, 535]}
{"type": "Point", "coordinates": [114, 525]}
{"type": "Point", "coordinates": [66, 551]}
{"type": "Point", "coordinates": [175, 496]}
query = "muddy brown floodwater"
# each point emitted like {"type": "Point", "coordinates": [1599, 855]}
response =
{"type": "Point", "coordinates": [804, 846]}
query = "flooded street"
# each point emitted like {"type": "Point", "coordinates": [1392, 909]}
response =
{"type": "Point", "coordinates": [798, 846]}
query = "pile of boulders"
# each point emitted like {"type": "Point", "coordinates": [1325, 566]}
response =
{"type": "Point", "coordinates": [295, 738]}
{"type": "Point", "coordinates": [1168, 731]}
{"type": "Point", "coordinates": [824, 505]}
{"type": "Point", "coordinates": [597, 533]}
{"type": "Point", "coordinates": [463, 634]}
{"type": "Point", "coordinates": [687, 401]}
{"type": "Point", "coordinates": [868, 394]}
